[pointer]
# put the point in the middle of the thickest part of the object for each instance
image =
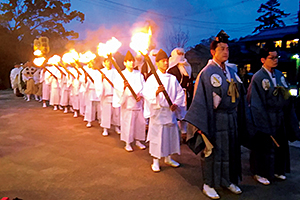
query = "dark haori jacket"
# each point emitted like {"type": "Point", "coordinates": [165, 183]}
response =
{"type": "Point", "coordinates": [186, 82]}
{"type": "Point", "coordinates": [215, 121]}
{"type": "Point", "coordinates": [271, 106]}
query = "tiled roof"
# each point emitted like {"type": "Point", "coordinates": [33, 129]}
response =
{"type": "Point", "coordinates": [274, 33]}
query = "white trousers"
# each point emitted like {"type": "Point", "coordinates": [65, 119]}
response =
{"type": "Point", "coordinates": [133, 125]}
{"type": "Point", "coordinates": [91, 109]}
{"type": "Point", "coordinates": [109, 115]}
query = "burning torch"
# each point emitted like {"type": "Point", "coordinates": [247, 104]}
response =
{"type": "Point", "coordinates": [140, 42]}
{"type": "Point", "coordinates": [73, 57]}
{"type": "Point", "coordinates": [39, 62]}
{"type": "Point", "coordinates": [87, 57]}
{"type": "Point", "coordinates": [106, 50]}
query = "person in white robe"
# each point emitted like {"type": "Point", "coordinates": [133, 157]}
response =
{"type": "Point", "coordinates": [46, 86]}
{"type": "Point", "coordinates": [38, 85]}
{"type": "Point", "coordinates": [132, 119]}
{"type": "Point", "coordinates": [110, 107]}
{"type": "Point", "coordinates": [163, 134]}
{"type": "Point", "coordinates": [65, 90]}
{"type": "Point", "coordinates": [92, 101]}
{"type": "Point", "coordinates": [75, 85]}
{"type": "Point", "coordinates": [21, 83]}
{"type": "Point", "coordinates": [14, 73]}
{"type": "Point", "coordinates": [82, 91]}
{"type": "Point", "coordinates": [54, 86]}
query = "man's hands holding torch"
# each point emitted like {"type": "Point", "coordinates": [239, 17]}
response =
{"type": "Point", "coordinates": [160, 89]}
{"type": "Point", "coordinates": [126, 84]}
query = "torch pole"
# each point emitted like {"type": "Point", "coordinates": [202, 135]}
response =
{"type": "Point", "coordinates": [121, 74]}
{"type": "Point", "coordinates": [59, 70]}
{"type": "Point", "coordinates": [147, 59]}
{"type": "Point", "coordinates": [85, 72]}
{"type": "Point", "coordinates": [44, 67]}
{"type": "Point", "coordinates": [105, 77]}
{"type": "Point", "coordinates": [77, 69]}
{"type": "Point", "coordinates": [68, 71]}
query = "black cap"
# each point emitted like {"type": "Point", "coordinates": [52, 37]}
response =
{"type": "Point", "coordinates": [161, 55]}
{"type": "Point", "coordinates": [129, 57]}
{"type": "Point", "coordinates": [222, 37]}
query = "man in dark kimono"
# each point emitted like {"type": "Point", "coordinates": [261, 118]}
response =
{"type": "Point", "coordinates": [268, 98]}
{"type": "Point", "coordinates": [213, 115]}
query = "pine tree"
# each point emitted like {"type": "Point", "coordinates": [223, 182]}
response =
{"type": "Point", "coordinates": [271, 16]}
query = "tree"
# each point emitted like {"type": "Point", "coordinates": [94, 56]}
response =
{"type": "Point", "coordinates": [21, 21]}
{"type": "Point", "coordinates": [25, 18]}
{"type": "Point", "coordinates": [271, 16]}
{"type": "Point", "coordinates": [176, 38]}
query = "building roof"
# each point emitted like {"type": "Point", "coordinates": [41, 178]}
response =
{"type": "Point", "coordinates": [274, 33]}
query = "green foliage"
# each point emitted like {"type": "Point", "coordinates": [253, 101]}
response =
{"type": "Point", "coordinates": [271, 16]}
{"type": "Point", "coordinates": [36, 17]}
{"type": "Point", "coordinates": [21, 21]}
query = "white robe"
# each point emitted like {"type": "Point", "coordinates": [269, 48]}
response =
{"type": "Point", "coordinates": [74, 89]}
{"type": "Point", "coordinates": [163, 132]}
{"type": "Point", "coordinates": [82, 94]}
{"type": "Point", "coordinates": [46, 86]}
{"type": "Point", "coordinates": [65, 89]}
{"type": "Point", "coordinates": [13, 77]}
{"type": "Point", "coordinates": [110, 108]}
{"type": "Point", "coordinates": [132, 119]}
{"type": "Point", "coordinates": [19, 77]}
{"type": "Point", "coordinates": [54, 85]}
{"type": "Point", "coordinates": [92, 101]}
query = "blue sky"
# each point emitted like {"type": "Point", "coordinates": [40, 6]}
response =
{"type": "Point", "coordinates": [200, 18]}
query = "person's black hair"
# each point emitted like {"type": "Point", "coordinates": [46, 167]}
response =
{"type": "Point", "coordinates": [214, 44]}
{"type": "Point", "coordinates": [267, 48]}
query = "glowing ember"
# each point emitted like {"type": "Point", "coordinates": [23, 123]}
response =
{"type": "Point", "coordinates": [37, 52]}
{"type": "Point", "coordinates": [54, 60]}
{"type": "Point", "coordinates": [70, 57]}
{"type": "Point", "coordinates": [111, 46]}
{"type": "Point", "coordinates": [140, 41]}
{"type": "Point", "coordinates": [86, 57]}
{"type": "Point", "coordinates": [39, 61]}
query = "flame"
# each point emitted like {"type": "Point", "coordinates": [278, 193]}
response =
{"type": "Point", "coordinates": [54, 60]}
{"type": "Point", "coordinates": [71, 56]}
{"type": "Point", "coordinates": [87, 57]}
{"type": "Point", "coordinates": [111, 46]}
{"type": "Point", "coordinates": [140, 41]}
{"type": "Point", "coordinates": [37, 52]}
{"type": "Point", "coordinates": [39, 61]}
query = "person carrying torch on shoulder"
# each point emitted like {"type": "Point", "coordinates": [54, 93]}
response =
{"type": "Point", "coordinates": [132, 119]}
{"type": "Point", "coordinates": [92, 100]}
{"type": "Point", "coordinates": [65, 90]}
{"type": "Point", "coordinates": [75, 90]}
{"type": "Point", "coordinates": [109, 106]}
{"type": "Point", "coordinates": [163, 132]}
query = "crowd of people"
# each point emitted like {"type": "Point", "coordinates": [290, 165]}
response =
{"type": "Point", "coordinates": [215, 116]}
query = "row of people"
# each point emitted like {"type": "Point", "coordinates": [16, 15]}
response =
{"type": "Point", "coordinates": [104, 95]}
{"type": "Point", "coordinates": [218, 116]}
